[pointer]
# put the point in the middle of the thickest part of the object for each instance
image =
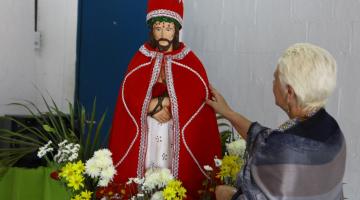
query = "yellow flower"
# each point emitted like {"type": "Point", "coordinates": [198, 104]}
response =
{"type": "Point", "coordinates": [72, 169]}
{"type": "Point", "coordinates": [230, 167]}
{"type": "Point", "coordinates": [79, 167]}
{"type": "Point", "coordinates": [181, 192]}
{"type": "Point", "coordinates": [174, 191]}
{"type": "Point", "coordinates": [169, 193]}
{"type": "Point", "coordinates": [67, 171]}
{"type": "Point", "coordinates": [76, 181]}
{"type": "Point", "coordinates": [110, 193]}
{"type": "Point", "coordinates": [77, 197]}
{"type": "Point", "coordinates": [86, 195]}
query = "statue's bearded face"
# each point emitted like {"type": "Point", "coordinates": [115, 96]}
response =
{"type": "Point", "coordinates": [164, 33]}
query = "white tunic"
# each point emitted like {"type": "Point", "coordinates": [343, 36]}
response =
{"type": "Point", "coordinates": [159, 144]}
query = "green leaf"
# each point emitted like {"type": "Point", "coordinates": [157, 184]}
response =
{"type": "Point", "coordinates": [48, 129]}
{"type": "Point", "coordinates": [56, 126]}
{"type": "Point", "coordinates": [31, 130]}
{"type": "Point", "coordinates": [89, 135]}
{"type": "Point", "coordinates": [97, 144]}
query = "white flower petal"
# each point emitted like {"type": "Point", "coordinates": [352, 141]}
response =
{"type": "Point", "coordinates": [103, 182]}
{"type": "Point", "coordinates": [236, 148]}
{"type": "Point", "coordinates": [91, 169]}
{"type": "Point", "coordinates": [108, 173]}
{"type": "Point", "coordinates": [208, 168]}
{"type": "Point", "coordinates": [157, 196]}
{"type": "Point", "coordinates": [102, 153]}
{"type": "Point", "coordinates": [218, 162]}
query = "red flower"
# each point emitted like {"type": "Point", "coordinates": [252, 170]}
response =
{"type": "Point", "coordinates": [113, 190]}
{"type": "Point", "coordinates": [100, 192]}
{"type": "Point", "coordinates": [55, 175]}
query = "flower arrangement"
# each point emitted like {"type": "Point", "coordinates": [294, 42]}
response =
{"type": "Point", "coordinates": [227, 168]}
{"type": "Point", "coordinates": [174, 191]}
{"type": "Point", "coordinates": [98, 170]}
{"type": "Point", "coordinates": [68, 142]}
{"type": "Point", "coordinates": [112, 191]}
{"type": "Point", "coordinates": [209, 185]}
{"type": "Point", "coordinates": [157, 184]}
{"type": "Point", "coordinates": [232, 162]}
{"type": "Point", "coordinates": [236, 148]}
{"type": "Point", "coordinates": [100, 167]}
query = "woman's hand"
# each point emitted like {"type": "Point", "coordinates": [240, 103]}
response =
{"type": "Point", "coordinates": [218, 103]}
{"type": "Point", "coordinates": [241, 123]}
{"type": "Point", "coordinates": [224, 192]}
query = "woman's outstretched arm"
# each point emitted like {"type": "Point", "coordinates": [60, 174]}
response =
{"type": "Point", "coordinates": [219, 104]}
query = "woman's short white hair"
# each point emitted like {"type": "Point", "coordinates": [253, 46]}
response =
{"type": "Point", "coordinates": [311, 71]}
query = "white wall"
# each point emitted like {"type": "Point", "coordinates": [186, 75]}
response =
{"type": "Point", "coordinates": [52, 68]}
{"type": "Point", "coordinates": [239, 41]}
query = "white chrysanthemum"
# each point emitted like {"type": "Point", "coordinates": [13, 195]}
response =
{"type": "Point", "coordinates": [108, 173]}
{"type": "Point", "coordinates": [208, 168]}
{"type": "Point", "coordinates": [157, 196]}
{"type": "Point", "coordinates": [103, 182]}
{"type": "Point", "coordinates": [236, 148]}
{"type": "Point", "coordinates": [102, 153]}
{"type": "Point", "coordinates": [91, 169]}
{"type": "Point", "coordinates": [149, 184]}
{"type": "Point", "coordinates": [166, 174]}
{"type": "Point", "coordinates": [101, 166]}
{"type": "Point", "coordinates": [139, 181]}
{"type": "Point", "coordinates": [103, 162]}
{"type": "Point", "coordinates": [156, 178]}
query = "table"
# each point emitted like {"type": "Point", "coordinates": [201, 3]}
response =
{"type": "Point", "coordinates": [31, 184]}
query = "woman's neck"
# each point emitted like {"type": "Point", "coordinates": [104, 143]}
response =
{"type": "Point", "coordinates": [299, 113]}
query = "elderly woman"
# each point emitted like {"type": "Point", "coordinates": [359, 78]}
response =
{"type": "Point", "coordinates": [304, 158]}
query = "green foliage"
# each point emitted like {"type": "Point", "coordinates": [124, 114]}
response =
{"type": "Point", "coordinates": [77, 127]}
{"type": "Point", "coordinates": [226, 132]}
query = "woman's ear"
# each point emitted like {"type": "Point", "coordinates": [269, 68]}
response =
{"type": "Point", "coordinates": [290, 94]}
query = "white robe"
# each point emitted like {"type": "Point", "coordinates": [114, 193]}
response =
{"type": "Point", "coordinates": [159, 144]}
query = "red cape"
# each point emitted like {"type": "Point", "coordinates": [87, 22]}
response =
{"type": "Point", "coordinates": [196, 135]}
